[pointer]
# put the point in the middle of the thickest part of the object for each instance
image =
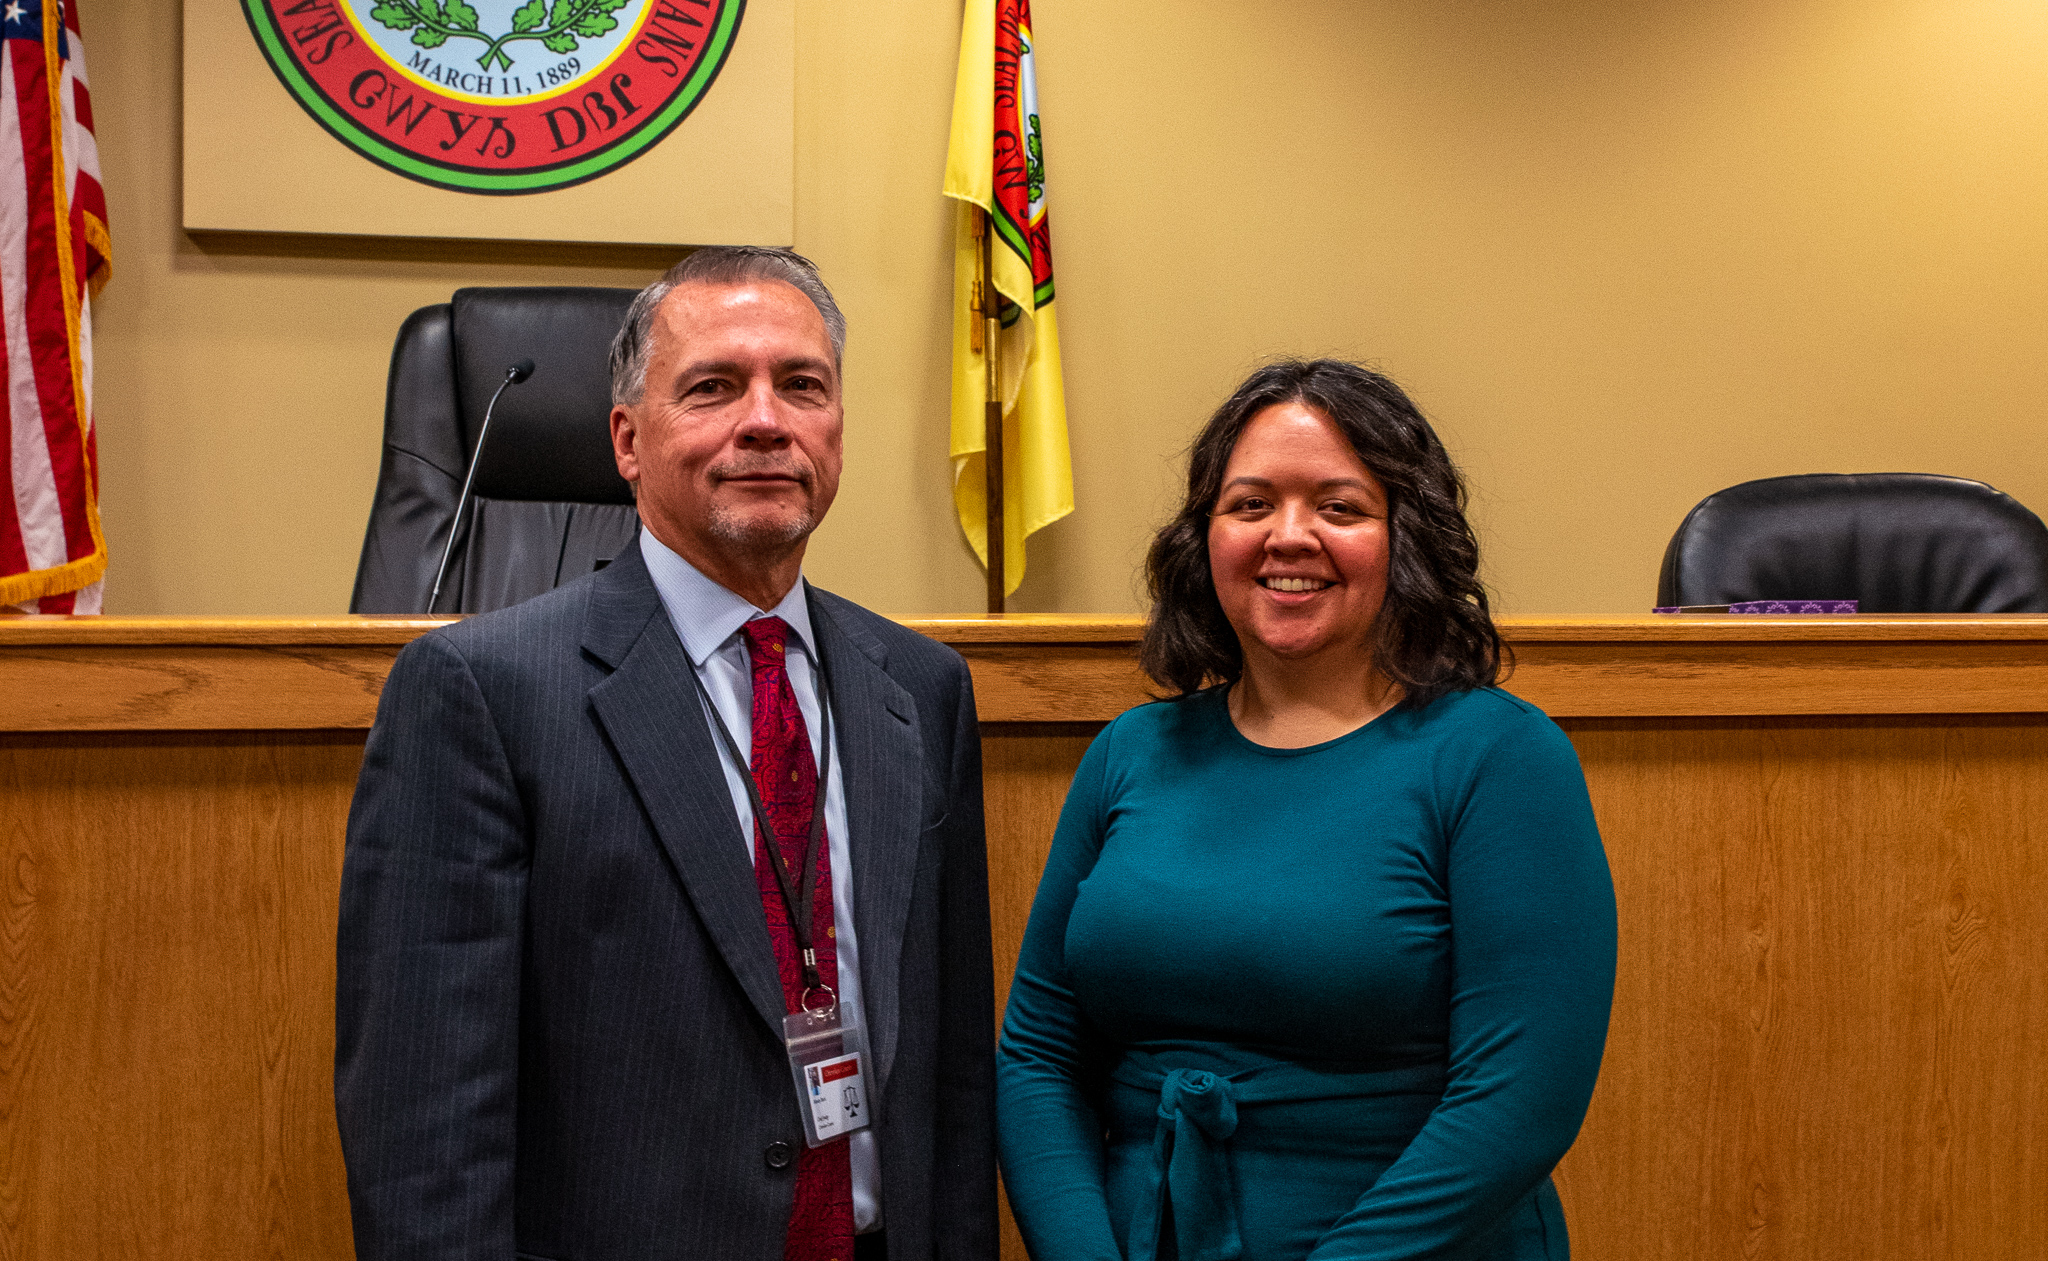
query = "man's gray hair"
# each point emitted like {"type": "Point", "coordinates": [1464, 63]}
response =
{"type": "Point", "coordinates": [716, 265]}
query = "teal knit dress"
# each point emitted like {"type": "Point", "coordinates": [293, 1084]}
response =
{"type": "Point", "coordinates": [1345, 1001]}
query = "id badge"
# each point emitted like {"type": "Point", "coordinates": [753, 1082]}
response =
{"type": "Point", "coordinates": [828, 1057]}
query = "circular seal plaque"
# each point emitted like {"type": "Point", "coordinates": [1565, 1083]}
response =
{"type": "Point", "coordinates": [497, 96]}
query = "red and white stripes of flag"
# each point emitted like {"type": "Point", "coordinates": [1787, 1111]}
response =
{"type": "Point", "coordinates": [54, 257]}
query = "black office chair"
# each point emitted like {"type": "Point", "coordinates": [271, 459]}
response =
{"type": "Point", "coordinates": [1896, 542]}
{"type": "Point", "coordinates": [549, 502]}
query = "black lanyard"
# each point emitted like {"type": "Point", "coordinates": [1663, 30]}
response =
{"type": "Point", "coordinates": [795, 894]}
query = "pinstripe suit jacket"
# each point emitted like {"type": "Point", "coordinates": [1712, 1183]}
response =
{"type": "Point", "coordinates": [558, 1017]}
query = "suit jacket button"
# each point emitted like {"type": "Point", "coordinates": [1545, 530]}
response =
{"type": "Point", "coordinates": [779, 1155]}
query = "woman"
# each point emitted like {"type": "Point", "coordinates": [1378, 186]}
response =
{"type": "Point", "coordinates": [1321, 960]}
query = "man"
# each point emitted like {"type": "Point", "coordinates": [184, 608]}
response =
{"type": "Point", "coordinates": [566, 949]}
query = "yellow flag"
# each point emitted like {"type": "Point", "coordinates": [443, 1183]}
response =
{"type": "Point", "coordinates": [996, 163]}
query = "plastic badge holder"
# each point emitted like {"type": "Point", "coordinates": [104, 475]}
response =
{"type": "Point", "coordinates": [828, 1057]}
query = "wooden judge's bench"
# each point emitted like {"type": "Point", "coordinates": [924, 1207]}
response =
{"type": "Point", "coordinates": [1829, 839]}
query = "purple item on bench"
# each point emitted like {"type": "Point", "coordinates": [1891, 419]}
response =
{"type": "Point", "coordinates": [1794, 606]}
{"type": "Point", "coordinates": [1767, 606]}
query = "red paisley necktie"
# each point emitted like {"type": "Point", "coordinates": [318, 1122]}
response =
{"type": "Point", "coordinates": [821, 1224]}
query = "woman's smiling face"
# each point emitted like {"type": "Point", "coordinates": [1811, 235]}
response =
{"type": "Point", "coordinates": [1298, 542]}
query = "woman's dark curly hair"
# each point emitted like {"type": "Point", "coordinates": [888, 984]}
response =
{"type": "Point", "coordinates": [1434, 633]}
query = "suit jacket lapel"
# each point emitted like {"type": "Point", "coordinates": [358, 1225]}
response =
{"type": "Point", "coordinates": [881, 754]}
{"type": "Point", "coordinates": [649, 708]}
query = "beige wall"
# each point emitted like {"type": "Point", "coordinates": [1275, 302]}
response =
{"type": "Point", "coordinates": [1624, 254]}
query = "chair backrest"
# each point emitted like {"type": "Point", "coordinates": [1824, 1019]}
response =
{"type": "Point", "coordinates": [1896, 542]}
{"type": "Point", "coordinates": [549, 502]}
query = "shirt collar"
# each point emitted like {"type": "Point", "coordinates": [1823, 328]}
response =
{"type": "Point", "coordinates": [706, 615]}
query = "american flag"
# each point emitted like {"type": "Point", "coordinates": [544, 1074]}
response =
{"type": "Point", "coordinates": [54, 257]}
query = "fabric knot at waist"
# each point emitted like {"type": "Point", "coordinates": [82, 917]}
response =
{"type": "Point", "coordinates": [1198, 1112]}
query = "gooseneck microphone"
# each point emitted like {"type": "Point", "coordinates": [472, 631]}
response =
{"type": "Point", "coordinates": [513, 375]}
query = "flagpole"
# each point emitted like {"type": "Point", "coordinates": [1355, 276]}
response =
{"type": "Point", "coordinates": [992, 417]}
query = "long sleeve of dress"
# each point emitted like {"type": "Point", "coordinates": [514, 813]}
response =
{"type": "Point", "coordinates": [1049, 1062]}
{"type": "Point", "coordinates": [1533, 944]}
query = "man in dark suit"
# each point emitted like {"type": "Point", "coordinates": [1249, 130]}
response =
{"type": "Point", "coordinates": [566, 949]}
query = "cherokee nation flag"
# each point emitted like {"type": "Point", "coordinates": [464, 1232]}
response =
{"type": "Point", "coordinates": [996, 163]}
{"type": "Point", "coordinates": [54, 255]}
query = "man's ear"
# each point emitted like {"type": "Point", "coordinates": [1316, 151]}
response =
{"type": "Point", "coordinates": [625, 440]}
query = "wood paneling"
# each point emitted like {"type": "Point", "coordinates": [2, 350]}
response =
{"type": "Point", "coordinates": [1706, 678]}
{"type": "Point", "coordinates": [167, 688]}
{"type": "Point", "coordinates": [167, 995]}
{"type": "Point", "coordinates": [1831, 1022]}
{"type": "Point", "coordinates": [1025, 770]}
{"type": "Point", "coordinates": [123, 674]}
{"type": "Point", "coordinates": [1831, 1026]}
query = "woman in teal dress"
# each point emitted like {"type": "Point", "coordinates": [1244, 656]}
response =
{"type": "Point", "coordinates": [1321, 960]}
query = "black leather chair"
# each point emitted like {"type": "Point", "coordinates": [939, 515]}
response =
{"type": "Point", "coordinates": [1897, 542]}
{"type": "Point", "coordinates": [549, 502]}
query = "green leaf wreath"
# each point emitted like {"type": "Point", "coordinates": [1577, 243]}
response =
{"type": "Point", "coordinates": [435, 22]}
{"type": "Point", "coordinates": [1034, 165]}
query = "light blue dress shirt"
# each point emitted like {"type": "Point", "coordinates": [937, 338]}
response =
{"type": "Point", "coordinates": [707, 618]}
